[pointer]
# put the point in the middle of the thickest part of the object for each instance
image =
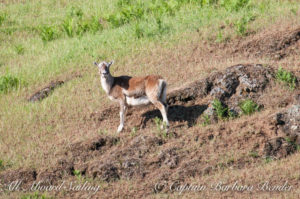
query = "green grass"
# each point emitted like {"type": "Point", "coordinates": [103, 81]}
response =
{"type": "Point", "coordinates": [287, 77]}
{"type": "Point", "coordinates": [206, 120]}
{"type": "Point", "coordinates": [248, 107]}
{"type": "Point", "coordinates": [161, 132]}
{"type": "Point", "coordinates": [220, 109]}
{"type": "Point", "coordinates": [20, 49]}
{"type": "Point", "coordinates": [253, 154]}
{"type": "Point", "coordinates": [8, 83]}
{"type": "Point", "coordinates": [35, 195]}
{"type": "Point", "coordinates": [2, 18]}
{"type": "Point", "coordinates": [48, 33]}
{"type": "Point", "coordinates": [1, 165]}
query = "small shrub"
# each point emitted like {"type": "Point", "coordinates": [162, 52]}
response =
{"type": "Point", "coordinates": [19, 49]}
{"type": "Point", "coordinates": [241, 26]}
{"type": "Point", "coordinates": [48, 33]}
{"type": "Point", "coordinates": [221, 110]}
{"type": "Point", "coordinates": [2, 18]}
{"type": "Point", "coordinates": [248, 107]}
{"type": "Point", "coordinates": [287, 77]}
{"type": "Point", "coordinates": [157, 122]}
{"type": "Point", "coordinates": [253, 154]}
{"type": "Point", "coordinates": [94, 25]}
{"type": "Point", "coordinates": [242, 23]}
{"type": "Point", "coordinates": [161, 132]}
{"type": "Point", "coordinates": [68, 26]}
{"type": "Point", "coordinates": [206, 120]}
{"type": "Point", "coordinates": [77, 173]}
{"type": "Point", "coordinates": [8, 82]}
{"type": "Point", "coordinates": [268, 159]}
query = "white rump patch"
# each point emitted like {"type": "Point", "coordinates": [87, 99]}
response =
{"type": "Point", "coordinates": [137, 101]}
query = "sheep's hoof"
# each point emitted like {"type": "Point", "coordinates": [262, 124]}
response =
{"type": "Point", "coordinates": [120, 128]}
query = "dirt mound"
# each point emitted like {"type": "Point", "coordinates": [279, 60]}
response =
{"type": "Point", "coordinates": [274, 44]}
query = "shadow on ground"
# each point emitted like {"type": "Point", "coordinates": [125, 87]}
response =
{"type": "Point", "coordinates": [177, 113]}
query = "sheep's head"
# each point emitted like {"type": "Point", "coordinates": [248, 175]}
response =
{"type": "Point", "coordinates": [104, 68]}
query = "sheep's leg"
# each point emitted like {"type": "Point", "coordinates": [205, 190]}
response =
{"type": "Point", "coordinates": [122, 116]}
{"type": "Point", "coordinates": [163, 112]}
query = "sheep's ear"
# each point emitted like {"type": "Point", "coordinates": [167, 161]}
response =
{"type": "Point", "coordinates": [96, 64]}
{"type": "Point", "coordinates": [110, 63]}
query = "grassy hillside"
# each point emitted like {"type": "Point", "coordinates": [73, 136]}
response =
{"type": "Point", "coordinates": [182, 40]}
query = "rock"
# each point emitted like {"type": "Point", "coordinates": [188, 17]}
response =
{"type": "Point", "coordinates": [288, 123]}
{"type": "Point", "coordinates": [44, 92]}
{"type": "Point", "coordinates": [278, 147]}
{"type": "Point", "coordinates": [236, 83]}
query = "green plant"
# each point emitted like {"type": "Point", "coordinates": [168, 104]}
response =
{"type": "Point", "coordinates": [69, 26]}
{"type": "Point", "coordinates": [219, 37]}
{"type": "Point", "coordinates": [139, 33]}
{"type": "Point", "coordinates": [268, 159]}
{"type": "Point", "coordinates": [94, 25]}
{"type": "Point", "coordinates": [102, 132]}
{"type": "Point", "coordinates": [206, 120]}
{"type": "Point", "coordinates": [241, 26]}
{"type": "Point", "coordinates": [35, 195]}
{"type": "Point", "coordinates": [19, 49]}
{"type": "Point", "coordinates": [161, 127]}
{"type": "Point", "coordinates": [75, 11]}
{"type": "Point", "coordinates": [162, 28]}
{"type": "Point", "coordinates": [8, 82]}
{"type": "Point", "coordinates": [77, 24]}
{"type": "Point", "coordinates": [48, 33]}
{"type": "Point", "coordinates": [1, 165]}
{"type": "Point", "coordinates": [234, 5]}
{"type": "Point", "coordinates": [77, 173]}
{"type": "Point", "coordinates": [158, 123]}
{"type": "Point", "coordinates": [133, 131]}
{"type": "Point", "coordinates": [221, 110]}
{"type": "Point", "coordinates": [248, 107]}
{"type": "Point", "coordinates": [287, 77]}
{"type": "Point", "coordinates": [2, 18]}
{"type": "Point", "coordinates": [253, 154]}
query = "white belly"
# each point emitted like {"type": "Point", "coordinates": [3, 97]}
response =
{"type": "Point", "coordinates": [137, 101]}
